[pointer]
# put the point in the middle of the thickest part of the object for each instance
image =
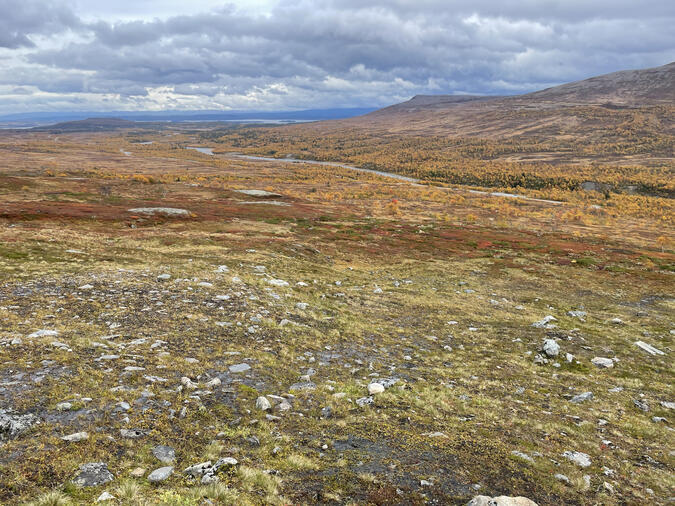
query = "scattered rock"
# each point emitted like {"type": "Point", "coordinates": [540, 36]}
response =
{"type": "Point", "coordinates": [12, 426]}
{"type": "Point", "coordinates": [263, 404]}
{"type": "Point", "coordinates": [648, 348]}
{"type": "Point", "coordinates": [161, 474]}
{"type": "Point", "coordinates": [277, 282]}
{"type": "Point", "coordinates": [550, 348]}
{"type": "Point", "coordinates": [208, 473]}
{"type": "Point", "coordinates": [77, 437]}
{"type": "Point", "coordinates": [105, 496]}
{"type": "Point", "coordinates": [579, 458]}
{"type": "Point", "coordinates": [522, 455]}
{"type": "Point", "coordinates": [138, 472]}
{"type": "Point", "coordinates": [364, 401]}
{"type": "Point", "coordinates": [586, 396]}
{"type": "Point", "coordinates": [545, 323]}
{"type": "Point", "coordinates": [43, 333]}
{"type": "Point", "coordinates": [93, 474]}
{"type": "Point", "coordinates": [259, 193]}
{"type": "Point", "coordinates": [166, 211]}
{"type": "Point", "coordinates": [303, 385]}
{"type": "Point", "coordinates": [239, 368]}
{"type": "Point", "coordinates": [375, 388]}
{"type": "Point", "coordinates": [641, 405]}
{"type": "Point", "coordinates": [577, 314]}
{"type": "Point", "coordinates": [602, 362]}
{"type": "Point", "coordinates": [483, 500]}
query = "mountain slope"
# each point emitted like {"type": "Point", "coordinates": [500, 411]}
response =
{"type": "Point", "coordinates": [571, 109]}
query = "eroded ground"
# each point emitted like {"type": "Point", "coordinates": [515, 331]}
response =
{"type": "Point", "coordinates": [152, 330]}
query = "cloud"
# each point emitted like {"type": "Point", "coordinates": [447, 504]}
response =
{"type": "Point", "coordinates": [322, 53]}
{"type": "Point", "coordinates": [20, 20]}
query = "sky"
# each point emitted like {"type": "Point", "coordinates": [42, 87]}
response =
{"type": "Point", "coordinates": [91, 55]}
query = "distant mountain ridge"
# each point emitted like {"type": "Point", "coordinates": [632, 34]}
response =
{"type": "Point", "coordinates": [546, 112]}
{"type": "Point", "coordinates": [35, 118]}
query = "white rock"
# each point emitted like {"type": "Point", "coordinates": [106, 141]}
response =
{"type": "Point", "coordinates": [550, 347]}
{"type": "Point", "coordinates": [78, 436]}
{"type": "Point", "coordinates": [602, 362]}
{"type": "Point", "coordinates": [167, 211]}
{"type": "Point", "coordinates": [105, 496]}
{"type": "Point", "coordinates": [545, 322]}
{"type": "Point", "coordinates": [579, 458]}
{"type": "Point", "coordinates": [648, 348]}
{"type": "Point", "coordinates": [160, 474]}
{"type": "Point", "coordinates": [375, 388]}
{"type": "Point", "coordinates": [483, 500]}
{"type": "Point", "coordinates": [277, 282]}
{"type": "Point", "coordinates": [263, 404]}
{"type": "Point", "coordinates": [43, 333]}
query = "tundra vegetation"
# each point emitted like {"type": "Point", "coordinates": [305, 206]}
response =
{"type": "Point", "coordinates": [346, 339]}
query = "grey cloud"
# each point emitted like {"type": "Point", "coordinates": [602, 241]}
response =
{"type": "Point", "coordinates": [344, 52]}
{"type": "Point", "coordinates": [21, 19]}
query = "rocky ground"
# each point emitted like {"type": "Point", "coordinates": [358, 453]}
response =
{"type": "Point", "coordinates": [315, 353]}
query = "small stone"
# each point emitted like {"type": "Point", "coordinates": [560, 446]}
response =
{"type": "Point", "coordinates": [164, 277]}
{"type": "Point", "coordinates": [579, 458]}
{"type": "Point", "coordinates": [522, 455]}
{"type": "Point", "coordinates": [641, 405]}
{"type": "Point", "coordinates": [364, 401]}
{"type": "Point", "coordinates": [76, 437]}
{"type": "Point", "coordinates": [483, 500]}
{"type": "Point", "coordinates": [93, 474]}
{"type": "Point", "coordinates": [138, 472]}
{"type": "Point", "coordinates": [545, 322]}
{"type": "Point", "coordinates": [648, 348]}
{"type": "Point", "coordinates": [550, 348]}
{"type": "Point", "coordinates": [303, 385]}
{"type": "Point", "coordinates": [161, 474]}
{"type": "Point", "coordinates": [277, 282]}
{"type": "Point", "coordinates": [263, 404]}
{"type": "Point", "coordinates": [375, 388]}
{"type": "Point", "coordinates": [13, 426]}
{"type": "Point", "coordinates": [602, 362]}
{"type": "Point", "coordinates": [327, 412]}
{"type": "Point", "coordinates": [43, 333]}
{"type": "Point", "coordinates": [64, 406]}
{"type": "Point", "coordinates": [562, 477]}
{"type": "Point", "coordinates": [105, 496]}
{"type": "Point", "coordinates": [239, 368]}
{"type": "Point", "coordinates": [586, 396]}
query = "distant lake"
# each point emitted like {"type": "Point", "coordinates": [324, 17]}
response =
{"type": "Point", "coordinates": [206, 151]}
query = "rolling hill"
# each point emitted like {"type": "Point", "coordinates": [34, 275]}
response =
{"type": "Point", "coordinates": [586, 106]}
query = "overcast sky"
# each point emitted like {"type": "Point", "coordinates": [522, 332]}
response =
{"type": "Point", "coordinates": [302, 54]}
